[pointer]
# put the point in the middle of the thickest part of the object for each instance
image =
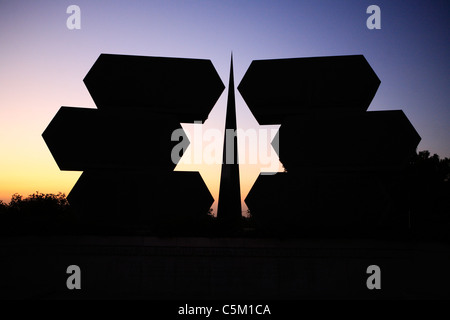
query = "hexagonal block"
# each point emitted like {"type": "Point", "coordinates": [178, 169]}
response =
{"type": "Point", "coordinates": [312, 202]}
{"type": "Point", "coordinates": [184, 88]}
{"type": "Point", "coordinates": [276, 89]}
{"type": "Point", "coordinates": [141, 196]}
{"type": "Point", "coordinates": [83, 139]}
{"type": "Point", "coordinates": [350, 141]}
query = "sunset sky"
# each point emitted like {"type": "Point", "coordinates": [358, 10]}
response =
{"type": "Point", "coordinates": [43, 63]}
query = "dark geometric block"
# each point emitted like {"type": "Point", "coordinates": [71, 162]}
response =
{"type": "Point", "coordinates": [276, 89]}
{"type": "Point", "coordinates": [84, 139]}
{"type": "Point", "coordinates": [347, 141]}
{"type": "Point", "coordinates": [184, 88]}
{"type": "Point", "coordinates": [141, 196]}
{"type": "Point", "coordinates": [292, 204]}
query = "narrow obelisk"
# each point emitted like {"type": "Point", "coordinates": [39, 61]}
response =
{"type": "Point", "coordinates": [229, 206]}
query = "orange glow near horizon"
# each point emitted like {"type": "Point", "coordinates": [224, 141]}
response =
{"type": "Point", "coordinates": [28, 102]}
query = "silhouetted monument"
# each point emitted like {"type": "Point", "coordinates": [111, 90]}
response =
{"type": "Point", "coordinates": [229, 206]}
{"type": "Point", "coordinates": [124, 147]}
{"type": "Point", "coordinates": [343, 164]}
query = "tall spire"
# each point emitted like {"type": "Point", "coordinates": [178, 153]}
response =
{"type": "Point", "coordinates": [229, 207]}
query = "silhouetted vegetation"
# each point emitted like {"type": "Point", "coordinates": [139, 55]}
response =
{"type": "Point", "coordinates": [428, 196]}
{"type": "Point", "coordinates": [421, 208]}
{"type": "Point", "coordinates": [38, 204]}
{"type": "Point", "coordinates": [3, 207]}
{"type": "Point", "coordinates": [37, 213]}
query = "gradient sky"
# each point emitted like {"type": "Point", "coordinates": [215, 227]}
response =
{"type": "Point", "coordinates": [43, 63]}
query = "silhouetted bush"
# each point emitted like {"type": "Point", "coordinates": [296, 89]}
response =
{"type": "Point", "coordinates": [37, 213]}
{"type": "Point", "coordinates": [3, 207]}
{"type": "Point", "coordinates": [39, 204]}
{"type": "Point", "coordinates": [429, 194]}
